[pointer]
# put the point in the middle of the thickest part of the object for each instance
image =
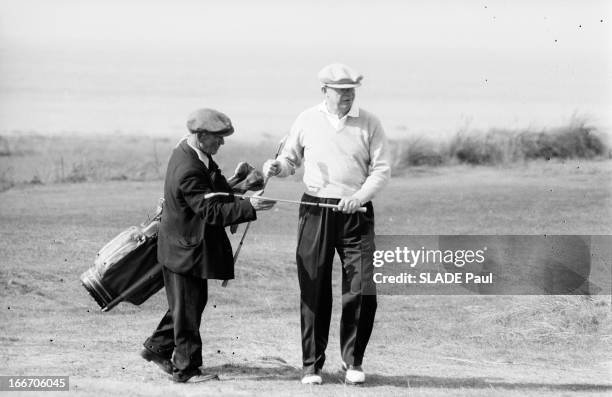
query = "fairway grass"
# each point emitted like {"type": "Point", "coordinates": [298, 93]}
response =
{"type": "Point", "coordinates": [421, 345]}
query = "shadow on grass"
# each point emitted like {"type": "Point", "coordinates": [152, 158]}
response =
{"type": "Point", "coordinates": [419, 381]}
{"type": "Point", "coordinates": [266, 369]}
{"type": "Point", "coordinates": [286, 372]}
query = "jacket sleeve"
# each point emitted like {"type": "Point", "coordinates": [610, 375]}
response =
{"type": "Point", "coordinates": [216, 211]}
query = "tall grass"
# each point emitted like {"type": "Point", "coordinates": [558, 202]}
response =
{"type": "Point", "coordinates": [40, 159]}
{"type": "Point", "coordinates": [577, 139]}
{"type": "Point", "coordinates": [549, 320]}
{"type": "Point", "coordinates": [35, 159]}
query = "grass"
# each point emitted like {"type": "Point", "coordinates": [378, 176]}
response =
{"type": "Point", "coordinates": [562, 322]}
{"type": "Point", "coordinates": [421, 345]}
{"type": "Point", "coordinates": [576, 140]}
{"type": "Point", "coordinates": [39, 159]}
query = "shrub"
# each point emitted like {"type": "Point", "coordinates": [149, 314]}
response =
{"type": "Point", "coordinates": [502, 146]}
{"type": "Point", "coordinates": [416, 152]}
{"type": "Point", "coordinates": [5, 148]}
{"type": "Point", "coordinates": [576, 140]}
{"type": "Point", "coordinates": [478, 148]}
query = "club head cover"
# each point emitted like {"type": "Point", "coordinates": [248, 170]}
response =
{"type": "Point", "coordinates": [240, 173]}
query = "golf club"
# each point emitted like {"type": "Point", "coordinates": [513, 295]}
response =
{"type": "Point", "coordinates": [281, 144]}
{"type": "Point", "coordinates": [322, 205]}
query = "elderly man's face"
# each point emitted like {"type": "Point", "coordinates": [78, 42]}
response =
{"type": "Point", "coordinates": [339, 100]}
{"type": "Point", "coordinates": [210, 143]}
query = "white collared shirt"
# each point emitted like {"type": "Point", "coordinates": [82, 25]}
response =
{"type": "Point", "coordinates": [338, 122]}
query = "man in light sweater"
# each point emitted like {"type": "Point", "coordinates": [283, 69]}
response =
{"type": "Point", "coordinates": [346, 159]}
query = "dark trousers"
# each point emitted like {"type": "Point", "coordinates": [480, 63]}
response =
{"type": "Point", "coordinates": [178, 334]}
{"type": "Point", "coordinates": [320, 233]}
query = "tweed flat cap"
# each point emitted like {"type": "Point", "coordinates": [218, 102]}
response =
{"type": "Point", "coordinates": [211, 121]}
{"type": "Point", "coordinates": [338, 75]}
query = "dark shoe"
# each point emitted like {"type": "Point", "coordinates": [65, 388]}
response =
{"type": "Point", "coordinates": [162, 362]}
{"type": "Point", "coordinates": [194, 376]}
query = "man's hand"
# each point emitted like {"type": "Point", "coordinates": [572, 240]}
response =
{"type": "Point", "coordinates": [271, 168]}
{"type": "Point", "coordinates": [349, 205]}
{"type": "Point", "coordinates": [261, 204]}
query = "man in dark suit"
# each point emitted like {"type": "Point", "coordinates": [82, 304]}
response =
{"type": "Point", "coordinates": [192, 244]}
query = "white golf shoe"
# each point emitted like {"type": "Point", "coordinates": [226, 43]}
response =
{"type": "Point", "coordinates": [354, 374]}
{"type": "Point", "coordinates": [312, 379]}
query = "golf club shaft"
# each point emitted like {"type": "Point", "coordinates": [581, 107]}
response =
{"type": "Point", "coordinates": [248, 225]}
{"type": "Point", "coordinates": [324, 205]}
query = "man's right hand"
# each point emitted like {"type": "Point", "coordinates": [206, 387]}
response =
{"type": "Point", "coordinates": [261, 204]}
{"type": "Point", "coordinates": [271, 168]}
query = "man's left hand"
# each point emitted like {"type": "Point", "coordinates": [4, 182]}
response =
{"type": "Point", "coordinates": [349, 205]}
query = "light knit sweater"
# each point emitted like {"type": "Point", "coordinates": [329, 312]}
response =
{"type": "Point", "coordinates": [349, 159]}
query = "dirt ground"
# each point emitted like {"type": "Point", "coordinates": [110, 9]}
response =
{"type": "Point", "coordinates": [421, 345]}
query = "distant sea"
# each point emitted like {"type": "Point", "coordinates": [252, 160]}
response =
{"type": "Point", "coordinates": [149, 92]}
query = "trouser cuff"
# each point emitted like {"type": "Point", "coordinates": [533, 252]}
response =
{"type": "Point", "coordinates": [165, 352]}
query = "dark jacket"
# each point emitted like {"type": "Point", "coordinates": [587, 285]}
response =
{"type": "Point", "coordinates": [192, 238]}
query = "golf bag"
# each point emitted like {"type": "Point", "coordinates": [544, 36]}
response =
{"type": "Point", "coordinates": [126, 268]}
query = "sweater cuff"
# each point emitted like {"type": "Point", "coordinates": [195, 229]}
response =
{"type": "Point", "coordinates": [362, 196]}
{"type": "Point", "coordinates": [286, 168]}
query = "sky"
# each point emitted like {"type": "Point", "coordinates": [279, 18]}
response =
{"type": "Point", "coordinates": [429, 66]}
{"type": "Point", "coordinates": [234, 25]}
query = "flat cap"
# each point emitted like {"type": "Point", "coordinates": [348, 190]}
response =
{"type": "Point", "coordinates": [338, 75]}
{"type": "Point", "coordinates": [211, 121]}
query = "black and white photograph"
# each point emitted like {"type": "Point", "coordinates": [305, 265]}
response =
{"type": "Point", "coordinates": [305, 198]}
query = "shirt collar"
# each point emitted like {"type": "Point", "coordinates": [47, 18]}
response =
{"type": "Point", "coordinates": [201, 155]}
{"type": "Point", "coordinates": [353, 111]}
